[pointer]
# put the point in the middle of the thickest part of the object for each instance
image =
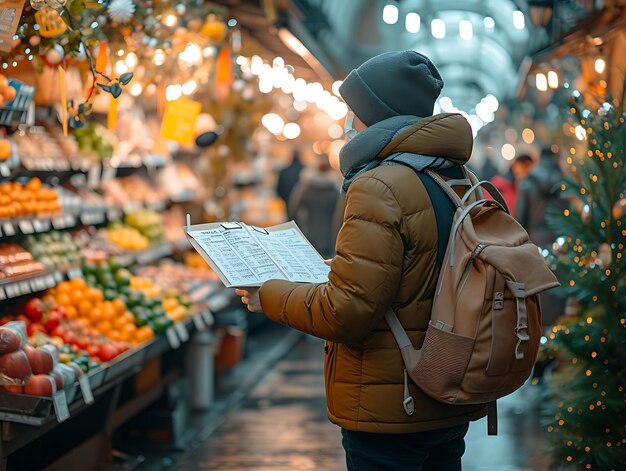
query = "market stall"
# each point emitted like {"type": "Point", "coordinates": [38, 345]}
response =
{"type": "Point", "coordinates": [119, 118]}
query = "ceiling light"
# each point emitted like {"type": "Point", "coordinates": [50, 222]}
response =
{"type": "Point", "coordinates": [390, 14]}
{"type": "Point", "coordinates": [508, 151]}
{"type": "Point", "coordinates": [600, 65]}
{"type": "Point", "coordinates": [291, 130]}
{"type": "Point", "coordinates": [465, 30]}
{"type": "Point", "coordinates": [553, 79]}
{"type": "Point", "coordinates": [518, 19]}
{"type": "Point", "coordinates": [438, 28]}
{"type": "Point", "coordinates": [541, 82]}
{"type": "Point", "coordinates": [528, 136]}
{"type": "Point", "coordinates": [412, 22]}
{"type": "Point", "coordinates": [489, 23]}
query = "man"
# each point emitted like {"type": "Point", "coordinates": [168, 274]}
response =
{"type": "Point", "coordinates": [388, 254]}
{"type": "Point", "coordinates": [508, 184]}
{"type": "Point", "coordinates": [539, 191]}
{"type": "Point", "coordinates": [289, 177]}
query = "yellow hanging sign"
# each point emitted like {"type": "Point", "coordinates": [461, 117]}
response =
{"type": "Point", "coordinates": [179, 120]}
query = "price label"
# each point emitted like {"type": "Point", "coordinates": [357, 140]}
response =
{"type": "Point", "coordinates": [74, 273]}
{"type": "Point", "coordinates": [183, 335]}
{"type": "Point", "coordinates": [12, 291]}
{"type": "Point", "coordinates": [2, 294]}
{"type": "Point", "coordinates": [198, 322]}
{"type": "Point", "coordinates": [113, 214]}
{"type": "Point", "coordinates": [93, 176]}
{"type": "Point", "coordinates": [58, 276]}
{"type": "Point", "coordinates": [26, 227]}
{"type": "Point", "coordinates": [58, 222]}
{"type": "Point", "coordinates": [8, 229]}
{"type": "Point", "coordinates": [5, 170]}
{"type": "Point", "coordinates": [208, 318]}
{"type": "Point", "coordinates": [50, 281]}
{"type": "Point", "coordinates": [172, 338]}
{"type": "Point", "coordinates": [25, 287]}
{"type": "Point", "coordinates": [60, 406]}
{"type": "Point", "coordinates": [85, 389]}
{"type": "Point", "coordinates": [38, 225]}
{"type": "Point", "coordinates": [108, 173]}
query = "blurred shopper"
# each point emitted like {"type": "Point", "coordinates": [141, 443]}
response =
{"type": "Point", "coordinates": [389, 249]}
{"type": "Point", "coordinates": [538, 191]}
{"type": "Point", "coordinates": [508, 184]}
{"type": "Point", "coordinates": [289, 176]}
{"type": "Point", "coordinates": [312, 205]}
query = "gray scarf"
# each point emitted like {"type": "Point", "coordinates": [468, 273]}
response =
{"type": "Point", "coordinates": [361, 153]}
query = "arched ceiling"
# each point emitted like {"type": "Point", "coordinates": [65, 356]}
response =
{"type": "Point", "coordinates": [485, 64]}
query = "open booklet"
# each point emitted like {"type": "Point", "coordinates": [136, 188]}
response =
{"type": "Point", "coordinates": [243, 255]}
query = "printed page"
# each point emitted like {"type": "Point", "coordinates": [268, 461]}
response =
{"type": "Point", "coordinates": [284, 258]}
{"type": "Point", "coordinates": [305, 256]}
{"type": "Point", "coordinates": [242, 261]}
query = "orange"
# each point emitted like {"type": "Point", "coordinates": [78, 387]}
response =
{"type": "Point", "coordinates": [78, 283]}
{"type": "Point", "coordinates": [85, 307]}
{"type": "Point", "coordinates": [64, 287]}
{"type": "Point", "coordinates": [64, 300]}
{"type": "Point", "coordinates": [77, 296]}
{"type": "Point", "coordinates": [119, 322]}
{"type": "Point", "coordinates": [34, 184]}
{"type": "Point", "coordinates": [115, 335]}
{"type": "Point", "coordinates": [72, 312]}
{"type": "Point", "coordinates": [119, 305]}
{"type": "Point", "coordinates": [95, 295]}
{"type": "Point", "coordinates": [104, 327]}
{"type": "Point", "coordinates": [108, 311]}
{"type": "Point", "coordinates": [96, 314]}
{"type": "Point", "coordinates": [129, 318]}
{"type": "Point", "coordinates": [143, 333]}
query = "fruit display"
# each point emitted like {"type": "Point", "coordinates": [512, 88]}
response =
{"type": "Point", "coordinates": [149, 223]}
{"type": "Point", "coordinates": [16, 261]}
{"type": "Point", "coordinates": [195, 260]}
{"type": "Point", "coordinates": [96, 139]}
{"type": "Point", "coordinates": [127, 238]}
{"type": "Point", "coordinates": [95, 245]}
{"type": "Point", "coordinates": [7, 92]}
{"type": "Point", "coordinates": [133, 188]}
{"type": "Point", "coordinates": [56, 250]}
{"type": "Point", "coordinates": [177, 276]}
{"type": "Point", "coordinates": [5, 149]}
{"type": "Point", "coordinates": [99, 312]}
{"type": "Point", "coordinates": [38, 150]}
{"type": "Point", "coordinates": [27, 200]}
{"type": "Point", "coordinates": [175, 305]}
{"type": "Point", "coordinates": [144, 304]}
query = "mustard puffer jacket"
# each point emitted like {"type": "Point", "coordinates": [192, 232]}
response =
{"type": "Point", "coordinates": [386, 256]}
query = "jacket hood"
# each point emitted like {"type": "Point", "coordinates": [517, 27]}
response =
{"type": "Point", "coordinates": [446, 135]}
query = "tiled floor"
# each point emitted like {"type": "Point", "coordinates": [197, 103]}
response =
{"type": "Point", "coordinates": [282, 426]}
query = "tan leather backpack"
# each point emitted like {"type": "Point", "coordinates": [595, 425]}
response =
{"type": "Point", "coordinates": [483, 336]}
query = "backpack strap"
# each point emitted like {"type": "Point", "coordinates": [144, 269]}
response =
{"type": "Point", "coordinates": [493, 191]}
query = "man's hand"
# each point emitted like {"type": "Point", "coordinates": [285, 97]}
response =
{"type": "Point", "coordinates": [250, 297]}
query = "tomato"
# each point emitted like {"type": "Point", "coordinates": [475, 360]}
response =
{"type": "Point", "coordinates": [34, 308]}
{"type": "Point", "coordinates": [93, 351]}
{"type": "Point", "coordinates": [52, 320]}
{"type": "Point", "coordinates": [108, 352]}
{"type": "Point", "coordinates": [34, 327]}
{"type": "Point", "coordinates": [23, 318]}
{"type": "Point", "coordinates": [58, 331]}
{"type": "Point", "coordinates": [61, 311]}
{"type": "Point", "coordinates": [69, 338]}
{"type": "Point", "coordinates": [82, 343]}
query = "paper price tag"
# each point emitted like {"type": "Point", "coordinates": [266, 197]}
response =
{"type": "Point", "coordinates": [183, 335]}
{"type": "Point", "coordinates": [26, 227]}
{"type": "Point", "coordinates": [198, 322]}
{"type": "Point", "coordinates": [58, 222]}
{"type": "Point", "coordinates": [85, 389]}
{"type": "Point", "coordinates": [172, 338]}
{"type": "Point", "coordinates": [12, 291]}
{"type": "Point", "coordinates": [58, 276]}
{"type": "Point", "coordinates": [113, 214]}
{"type": "Point", "coordinates": [60, 406]}
{"type": "Point", "coordinates": [2, 294]}
{"type": "Point", "coordinates": [5, 171]}
{"type": "Point", "coordinates": [8, 229]}
{"type": "Point", "coordinates": [70, 220]}
{"type": "Point", "coordinates": [208, 318]}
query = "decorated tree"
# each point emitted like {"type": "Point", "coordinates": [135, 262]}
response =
{"type": "Point", "coordinates": [586, 413]}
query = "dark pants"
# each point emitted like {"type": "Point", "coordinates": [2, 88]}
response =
{"type": "Point", "coordinates": [436, 450]}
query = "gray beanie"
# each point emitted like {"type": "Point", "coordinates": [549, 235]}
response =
{"type": "Point", "coordinates": [392, 84]}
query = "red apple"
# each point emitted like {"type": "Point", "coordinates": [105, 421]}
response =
{"type": "Point", "coordinates": [40, 385]}
{"type": "Point", "coordinates": [13, 389]}
{"type": "Point", "coordinates": [14, 368]}
{"type": "Point", "coordinates": [41, 361]}
{"type": "Point", "coordinates": [10, 340]}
